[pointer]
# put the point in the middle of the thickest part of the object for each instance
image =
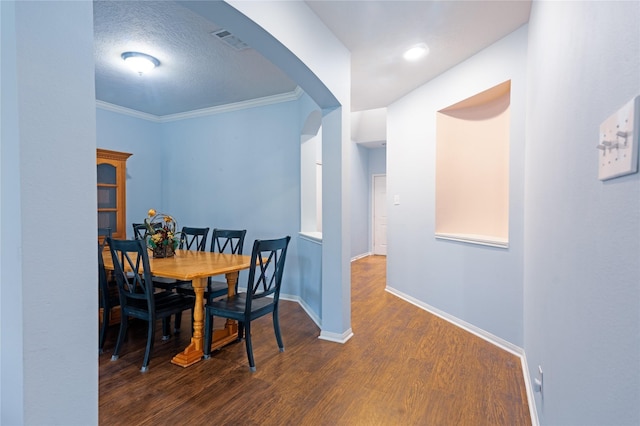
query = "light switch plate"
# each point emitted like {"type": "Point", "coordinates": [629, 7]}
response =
{"type": "Point", "coordinates": [618, 144]}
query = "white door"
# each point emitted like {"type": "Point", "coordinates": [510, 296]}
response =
{"type": "Point", "coordinates": [380, 214]}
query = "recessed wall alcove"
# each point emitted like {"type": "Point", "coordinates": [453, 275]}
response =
{"type": "Point", "coordinates": [472, 169]}
{"type": "Point", "coordinates": [311, 177]}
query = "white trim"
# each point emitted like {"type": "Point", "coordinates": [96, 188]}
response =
{"type": "Point", "coordinates": [304, 306]}
{"type": "Point", "coordinates": [503, 344]}
{"type": "Point", "coordinates": [485, 335]}
{"type": "Point", "coordinates": [483, 240]}
{"type": "Point", "coordinates": [335, 337]}
{"type": "Point", "coordinates": [533, 411]}
{"type": "Point", "coordinates": [361, 256]}
{"type": "Point", "coordinates": [127, 111]}
{"type": "Point", "coordinates": [314, 237]}
{"type": "Point", "coordinates": [324, 335]}
{"type": "Point", "coordinates": [252, 103]}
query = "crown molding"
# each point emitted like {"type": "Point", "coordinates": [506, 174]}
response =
{"type": "Point", "coordinates": [128, 111]}
{"type": "Point", "coordinates": [252, 103]}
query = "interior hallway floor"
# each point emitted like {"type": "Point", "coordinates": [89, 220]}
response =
{"type": "Point", "coordinates": [403, 366]}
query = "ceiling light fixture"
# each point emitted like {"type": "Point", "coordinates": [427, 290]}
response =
{"type": "Point", "coordinates": [416, 52]}
{"type": "Point", "coordinates": [140, 62]}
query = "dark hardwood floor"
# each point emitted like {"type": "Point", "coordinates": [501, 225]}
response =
{"type": "Point", "coordinates": [403, 366]}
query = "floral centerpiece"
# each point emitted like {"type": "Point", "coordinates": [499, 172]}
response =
{"type": "Point", "coordinates": [161, 234]}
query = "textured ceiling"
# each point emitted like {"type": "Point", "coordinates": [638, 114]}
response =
{"type": "Point", "coordinates": [199, 71]}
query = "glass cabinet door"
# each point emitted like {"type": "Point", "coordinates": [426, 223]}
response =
{"type": "Point", "coordinates": [107, 197]}
{"type": "Point", "coordinates": [111, 191]}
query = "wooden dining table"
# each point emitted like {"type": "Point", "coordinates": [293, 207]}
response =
{"type": "Point", "coordinates": [197, 266]}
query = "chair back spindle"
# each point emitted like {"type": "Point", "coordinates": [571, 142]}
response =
{"type": "Point", "coordinates": [267, 265]}
{"type": "Point", "coordinates": [140, 230]}
{"type": "Point", "coordinates": [228, 240]}
{"type": "Point", "coordinates": [193, 238]}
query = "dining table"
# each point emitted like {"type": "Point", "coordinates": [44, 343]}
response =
{"type": "Point", "coordinates": [197, 267]}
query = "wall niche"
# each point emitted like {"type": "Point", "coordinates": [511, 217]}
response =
{"type": "Point", "coordinates": [472, 169]}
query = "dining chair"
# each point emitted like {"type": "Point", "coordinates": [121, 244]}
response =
{"type": "Point", "coordinates": [224, 241]}
{"type": "Point", "coordinates": [262, 296]}
{"type": "Point", "coordinates": [140, 230]}
{"type": "Point", "coordinates": [103, 233]}
{"type": "Point", "coordinates": [139, 233]}
{"type": "Point", "coordinates": [193, 238]}
{"type": "Point", "coordinates": [108, 291]}
{"type": "Point", "coordinates": [230, 241]}
{"type": "Point", "coordinates": [138, 299]}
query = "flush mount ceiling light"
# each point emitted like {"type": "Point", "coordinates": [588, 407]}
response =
{"type": "Point", "coordinates": [140, 62]}
{"type": "Point", "coordinates": [416, 52]}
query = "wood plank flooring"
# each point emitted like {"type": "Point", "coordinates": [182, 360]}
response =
{"type": "Point", "coordinates": [403, 366]}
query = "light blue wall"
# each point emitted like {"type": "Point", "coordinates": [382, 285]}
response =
{"type": "Point", "coordinates": [143, 139]}
{"type": "Point", "coordinates": [336, 225]}
{"type": "Point", "coordinates": [365, 162]}
{"type": "Point", "coordinates": [360, 213]}
{"type": "Point", "coordinates": [377, 166]}
{"type": "Point", "coordinates": [477, 284]}
{"type": "Point", "coordinates": [377, 161]}
{"type": "Point", "coordinates": [243, 166]}
{"type": "Point", "coordinates": [582, 264]}
{"type": "Point", "coordinates": [11, 300]}
{"type": "Point", "coordinates": [238, 170]}
{"type": "Point", "coordinates": [310, 277]}
{"type": "Point", "coordinates": [50, 375]}
{"type": "Point", "coordinates": [309, 251]}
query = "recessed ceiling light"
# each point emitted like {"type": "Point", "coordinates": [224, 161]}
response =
{"type": "Point", "coordinates": [140, 62]}
{"type": "Point", "coordinates": [416, 52]}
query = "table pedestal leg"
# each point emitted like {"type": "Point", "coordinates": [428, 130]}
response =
{"type": "Point", "coordinates": [229, 333]}
{"type": "Point", "coordinates": [194, 352]}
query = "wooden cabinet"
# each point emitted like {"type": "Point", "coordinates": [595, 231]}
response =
{"type": "Point", "coordinates": [112, 191]}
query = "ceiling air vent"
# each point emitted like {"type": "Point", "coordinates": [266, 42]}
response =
{"type": "Point", "coordinates": [230, 39]}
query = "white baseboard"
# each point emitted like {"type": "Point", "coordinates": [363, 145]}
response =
{"type": "Point", "coordinates": [324, 335]}
{"type": "Point", "coordinates": [304, 306]}
{"type": "Point", "coordinates": [529, 387]}
{"type": "Point", "coordinates": [336, 337]}
{"type": "Point", "coordinates": [360, 256]}
{"type": "Point", "coordinates": [485, 335]}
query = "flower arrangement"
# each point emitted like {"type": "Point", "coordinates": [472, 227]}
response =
{"type": "Point", "coordinates": [161, 235]}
